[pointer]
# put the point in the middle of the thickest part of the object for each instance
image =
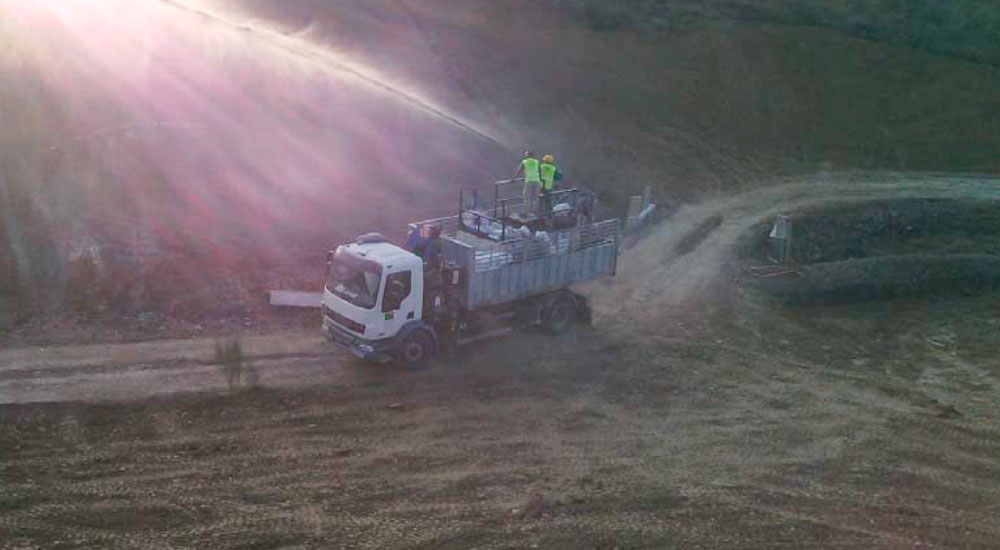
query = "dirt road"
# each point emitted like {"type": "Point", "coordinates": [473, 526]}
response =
{"type": "Point", "coordinates": [135, 370]}
{"type": "Point", "coordinates": [658, 277]}
{"type": "Point", "coordinates": [660, 274]}
{"type": "Point", "coordinates": [871, 426]}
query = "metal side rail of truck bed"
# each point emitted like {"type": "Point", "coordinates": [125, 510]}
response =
{"type": "Point", "coordinates": [513, 269]}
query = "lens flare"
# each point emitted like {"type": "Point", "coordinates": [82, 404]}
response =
{"type": "Point", "coordinates": [216, 135]}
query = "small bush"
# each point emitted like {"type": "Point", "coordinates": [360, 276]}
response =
{"type": "Point", "coordinates": [229, 357]}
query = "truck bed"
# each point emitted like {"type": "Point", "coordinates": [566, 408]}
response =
{"type": "Point", "coordinates": [518, 268]}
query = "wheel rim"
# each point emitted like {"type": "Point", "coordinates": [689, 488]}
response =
{"type": "Point", "coordinates": [413, 352]}
{"type": "Point", "coordinates": [561, 316]}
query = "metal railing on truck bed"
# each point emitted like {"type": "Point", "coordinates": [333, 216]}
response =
{"type": "Point", "coordinates": [496, 211]}
{"type": "Point", "coordinates": [448, 225]}
{"type": "Point", "coordinates": [527, 248]}
{"type": "Point", "coordinates": [544, 244]}
{"type": "Point", "coordinates": [517, 268]}
{"type": "Point", "coordinates": [485, 211]}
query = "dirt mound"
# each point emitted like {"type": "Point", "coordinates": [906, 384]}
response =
{"type": "Point", "coordinates": [883, 249]}
{"type": "Point", "coordinates": [904, 226]}
{"type": "Point", "coordinates": [664, 290]}
{"type": "Point", "coordinates": [886, 277]}
{"type": "Point", "coordinates": [692, 239]}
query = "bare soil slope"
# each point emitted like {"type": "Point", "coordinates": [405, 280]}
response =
{"type": "Point", "coordinates": [239, 133]}
{"type": "Point", "coordinates": [153, 157]}
{"type": "Point", "coordinates": [711, 99]}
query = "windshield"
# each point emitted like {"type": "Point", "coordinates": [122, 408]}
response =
{"type": "Point", "coordinates": [354, 279]}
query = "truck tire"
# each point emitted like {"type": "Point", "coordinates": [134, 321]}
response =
{"type": "Point", "coordinates": [415, 350]}
{"type": "Point", "coordinates": [558, 317]}
{"type": "Point", "coordinates": [583, 311]}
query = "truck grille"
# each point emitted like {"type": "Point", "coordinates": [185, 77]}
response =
{"type": "Point", "coordinates": [353, 326]}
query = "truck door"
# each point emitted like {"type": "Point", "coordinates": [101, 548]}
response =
{"type": "Point", "coordinates": [400, 304]}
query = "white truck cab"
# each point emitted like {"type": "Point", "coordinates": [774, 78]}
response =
{"type": "Point", "coordinates": [373, 290]}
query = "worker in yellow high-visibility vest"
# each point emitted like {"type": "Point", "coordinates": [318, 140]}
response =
{"type": "Point", "coordinates": [530, 167]}
{"type": "Point", "coordinates": [547, 172]}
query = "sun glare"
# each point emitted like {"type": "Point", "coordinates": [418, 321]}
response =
{"type": "Point", "coordinates": [211, 127]}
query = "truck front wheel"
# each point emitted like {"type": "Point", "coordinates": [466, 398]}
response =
{"type": "Point", "coordinates": [559, 316]}
{"type": "Point", "coordinates": [415, 350]}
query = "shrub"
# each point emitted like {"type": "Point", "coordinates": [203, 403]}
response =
{"type": "Point", "coordinates": [229, 357]}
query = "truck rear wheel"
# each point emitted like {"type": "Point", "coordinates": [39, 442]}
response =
{"type": "Point", "coordinates": [559, 315]}
{"type": "Point", "coordinates": [416, 350]}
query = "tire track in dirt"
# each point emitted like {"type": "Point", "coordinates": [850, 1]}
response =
{"type": "Point", "coordinates": [195, 350]}
{"type": "Point", "coordinates": [131, 370]}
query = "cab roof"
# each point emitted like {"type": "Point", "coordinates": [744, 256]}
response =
{"type": "Point", "coordinates": [386, 254]}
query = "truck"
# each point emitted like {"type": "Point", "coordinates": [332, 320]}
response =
{"type": "Point", "coordinates": [485, 272]}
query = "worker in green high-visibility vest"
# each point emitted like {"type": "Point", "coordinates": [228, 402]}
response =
{"type": "Point", "coordinates": [530, 167]}
{"type": "Point", "coordinates": [547, 171]}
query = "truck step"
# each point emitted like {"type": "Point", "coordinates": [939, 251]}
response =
{"type": "Point", "coordinates": [485, 335]}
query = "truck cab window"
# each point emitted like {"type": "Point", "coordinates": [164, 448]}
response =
{"type": "Point", "coordinates": [397, 289]}
{"type": "Point", "coordinates": [354, 279]}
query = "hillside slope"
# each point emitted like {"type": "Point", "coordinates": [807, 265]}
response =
{"type": "Point", "coordinates": [199, 153]}
{"type": "Point", "coordinates": [234, 134]}
{"type": "Point", "coordinates": [694, 100]}
{"type": "Point", "coordinates": [967, 29]}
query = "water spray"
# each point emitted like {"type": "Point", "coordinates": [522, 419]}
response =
{"type": "Point", "coordinates": [318, 54]}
